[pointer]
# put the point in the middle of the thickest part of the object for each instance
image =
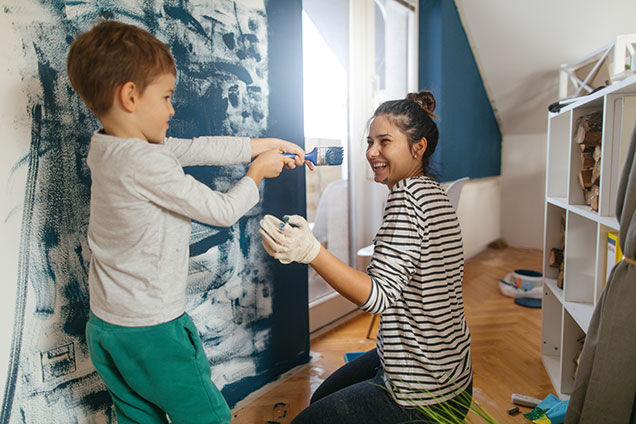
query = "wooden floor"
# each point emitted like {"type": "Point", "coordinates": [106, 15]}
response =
{"type": "Point", "coordinates": [505, 348]}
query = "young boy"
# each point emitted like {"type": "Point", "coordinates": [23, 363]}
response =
{"type": "Point", "coordinates": [142, 343]}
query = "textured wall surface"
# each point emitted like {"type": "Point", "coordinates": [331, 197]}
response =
{"type": "Point", "coordinates": [222, 50]}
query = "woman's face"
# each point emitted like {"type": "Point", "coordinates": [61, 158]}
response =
{"type": "Point", "coordinates": [389, 153]}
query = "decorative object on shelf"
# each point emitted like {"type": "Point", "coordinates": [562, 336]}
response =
{"type": "Point", "coordinates": [577, 359]}
{"type": "Point", "coordinates": [588, 135]}
{"type": "Point", "coordinates": [624, 63]}
{"type": "Point", "coordinates": [556, 258]}
{"type": "Point", "coordinates": [605, 66]}
{"type": "Point", "coordinates": [614, 254]}
{"type": "Point", "coordinates": [557, 255]}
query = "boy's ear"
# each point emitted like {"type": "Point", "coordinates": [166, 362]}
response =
{"type": "Point", "coordinates": [128, 96]}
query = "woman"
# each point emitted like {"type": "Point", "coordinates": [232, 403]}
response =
{"type": "Point", "coordinates": [422, 360]}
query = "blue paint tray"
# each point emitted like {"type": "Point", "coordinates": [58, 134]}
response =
{"type": "Point", "coordinates": [528, 302]}
{"type": "Point", "coordinates": [350, 356]}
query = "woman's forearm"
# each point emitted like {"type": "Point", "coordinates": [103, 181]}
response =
{"type": "Point", "coordinates": [349, 282]}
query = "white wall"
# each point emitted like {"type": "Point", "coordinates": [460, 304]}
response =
{"type": "Point", "coordinates": [15, 134]}
{"type": "Point", "coordinates": [479, 213]}
{"type": "Point", "coordinates": [509, 206]}
{"type": "Point", "coordinates": [523, 189]}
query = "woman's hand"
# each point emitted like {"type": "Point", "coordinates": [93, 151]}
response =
{"type": "Point", "coordinates": [290, 240]}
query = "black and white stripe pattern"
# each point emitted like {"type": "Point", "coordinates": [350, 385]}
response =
{"type": "Point", "coordinates": [416, 272]}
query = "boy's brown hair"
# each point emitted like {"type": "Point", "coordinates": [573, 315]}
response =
{"type": "Point", "coordinates": [111, 54]}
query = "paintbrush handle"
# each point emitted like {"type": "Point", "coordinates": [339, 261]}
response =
{"type": "Point", "coordinates": [311, 156]}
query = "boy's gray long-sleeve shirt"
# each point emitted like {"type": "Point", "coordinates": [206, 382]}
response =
{"type": "Point", "coordinates": [139, 226]}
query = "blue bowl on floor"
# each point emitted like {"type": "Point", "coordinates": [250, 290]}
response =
{"type": "Point", "coordinates": [528, 302]}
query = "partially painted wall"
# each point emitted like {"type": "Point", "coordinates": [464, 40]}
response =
{"type": "Point", "coordinates": [239, 73]}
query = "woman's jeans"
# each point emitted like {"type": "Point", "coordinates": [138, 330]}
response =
{"type": "Point", "coordinates": [356, 394]}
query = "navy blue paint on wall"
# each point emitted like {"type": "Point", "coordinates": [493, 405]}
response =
{"type": "Point", "coordinates": [290, 337]}
{"type": "Point", "coordinates": [53, 253]}
{"type": "Point", "coordinates": [470, 138]}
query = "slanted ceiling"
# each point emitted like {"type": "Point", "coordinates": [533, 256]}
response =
{"type": "Point", "coordinates": [520, 44]}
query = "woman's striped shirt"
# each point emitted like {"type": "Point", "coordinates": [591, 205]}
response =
{"type": "Point", "coordinates": [416, 273]}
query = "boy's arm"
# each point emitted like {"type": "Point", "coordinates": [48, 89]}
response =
{"type": "Point", "coordinates": [260, 145]}
{"type": "Point", "coordinates": [227, 150]}
{"type": "Point", "coordinates": [210, 150]}
{"type": "Point", "coordinates": [160, 179]}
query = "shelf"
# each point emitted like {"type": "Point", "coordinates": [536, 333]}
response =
{"type": "Point", "coordinates": [558, 153]}
{"type": "Point", "coordinates": [567, 312]}
{"type": "Point", "coordinates": [552, 364]}
{"type": "Point", "coordinates": [609, 221]}
{"type": "Point", "coordinates": [623, 87]}
{"type": "Point", "coordinates": [550, 283]}
{"type": "Point", "coordinates": [584, 211]}
{"type": "Point", "coordinates": [561, 202]}
{"type": "Point", "coordinates": [580, 312]}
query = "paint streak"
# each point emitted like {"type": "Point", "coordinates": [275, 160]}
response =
{"type": "Point", "coordinates": [222, 89]}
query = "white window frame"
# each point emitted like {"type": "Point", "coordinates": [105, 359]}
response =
{"type": "Point", "coordinates": [364, 193]}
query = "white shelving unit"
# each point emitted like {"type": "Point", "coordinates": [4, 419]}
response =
{"type": "Point", "coordinates": [567, 312]}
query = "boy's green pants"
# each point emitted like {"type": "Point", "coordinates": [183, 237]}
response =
{"type": "Point", "coordinates": [156, 370]}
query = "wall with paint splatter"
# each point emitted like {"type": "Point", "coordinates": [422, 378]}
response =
{"type": "Point", "coordinates": [239, 73]}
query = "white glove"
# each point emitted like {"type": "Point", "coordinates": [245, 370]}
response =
{"type": "Point", "coordinates": [290, 240]}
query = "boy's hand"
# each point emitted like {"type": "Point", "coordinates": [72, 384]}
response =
{"type": "Point", "coordinates": [260, 145]}
{"type": "Point", "coordinates": [269, 165]}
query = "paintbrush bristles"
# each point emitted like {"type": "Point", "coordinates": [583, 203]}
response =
{"type": "Point", "coordinates": [329, 155]}
{"type": "Point", "coordinates": [323, 156]}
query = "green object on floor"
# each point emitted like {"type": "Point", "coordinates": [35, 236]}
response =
{"type": "Point", "coordinates": [551, 410]}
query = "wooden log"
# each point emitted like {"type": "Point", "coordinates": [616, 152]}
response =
{"type": "Point", "coordinates": [591, 193]}
{"type": "Point", "coordinates": [585, 178]}
{"type": "Point", "coordinates": [589, 129]}
{"type": "Point", "coordinates": [596, 172]}
{"type": "Point", "coordinates": [559, 281]}
{"type": "Point", "coordinates": [556, 257]}
{"type": "Point", "coordinates": [587, 159]}
{"type": "Point", "coordinates": [594, 203]}
{"type": "Point", "coordinates": [597, 153]}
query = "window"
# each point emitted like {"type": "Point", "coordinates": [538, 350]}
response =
{"type": "Point", "coordinates": [335, 103]}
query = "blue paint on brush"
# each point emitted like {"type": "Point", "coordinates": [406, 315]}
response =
{"type": "Point", "coordinates": [323, 156]}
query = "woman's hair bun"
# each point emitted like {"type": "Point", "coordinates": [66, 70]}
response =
{"type": "Point", "coordinates": [425, 99]}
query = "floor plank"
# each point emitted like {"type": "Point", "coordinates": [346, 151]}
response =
{"type": "Point", "coordinates": [506, 340]}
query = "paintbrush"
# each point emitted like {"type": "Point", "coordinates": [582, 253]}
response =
{"type": "Point", "coordinates": [323, 156]}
